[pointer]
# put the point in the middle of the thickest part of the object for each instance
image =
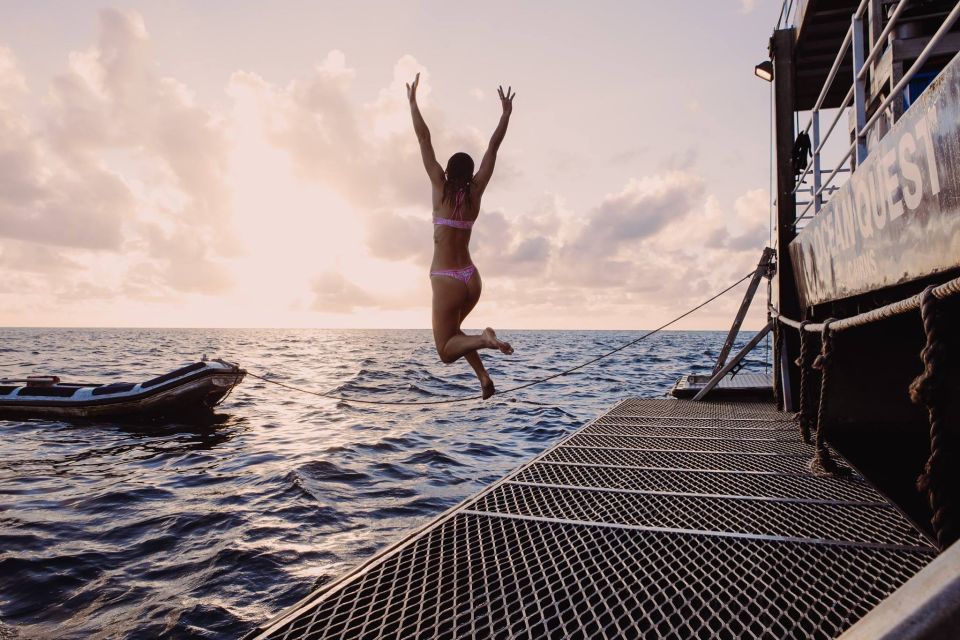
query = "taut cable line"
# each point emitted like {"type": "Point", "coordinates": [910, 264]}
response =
{"type": "Point", "coordinates": [333, 395]}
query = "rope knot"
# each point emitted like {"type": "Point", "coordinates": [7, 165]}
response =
{"type": "Point", "coordinates": [926, 389]}
{"type": "Point", "coordinates": [821, 361]}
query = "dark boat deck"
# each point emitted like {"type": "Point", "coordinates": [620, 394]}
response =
{"type": "Point", "coordinates": [660, 519]}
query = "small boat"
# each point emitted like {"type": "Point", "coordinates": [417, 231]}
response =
{"type": "Point", "coordinates": [194, 389]}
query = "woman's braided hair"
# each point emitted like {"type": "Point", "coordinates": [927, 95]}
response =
{"type": "Point", "coordinates": [459, 177]}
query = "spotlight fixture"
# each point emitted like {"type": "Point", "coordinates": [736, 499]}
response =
{"type": "Point", "coordinates": [764, 70]}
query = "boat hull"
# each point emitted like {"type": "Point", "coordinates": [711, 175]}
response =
{"type": "Point", "coordinates": [192, 393]}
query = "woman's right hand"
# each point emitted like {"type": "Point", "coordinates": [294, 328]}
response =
{"type": "Point", "coordinates": [412, 89]}
{"type": "Point", "coordinates": [506, 99]}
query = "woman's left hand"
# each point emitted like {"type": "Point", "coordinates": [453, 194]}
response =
{"type": "Point", "coordinates": [506, 99]}
{"type": "Point", "coordinates": [412, 89]}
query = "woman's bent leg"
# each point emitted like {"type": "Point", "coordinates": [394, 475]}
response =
{"type": "Point", "coordinates": [486, 383]}
{"type": "Point", "coordinates": [474, 286]}
{"type": "Point", "coordinates": [449, 295]}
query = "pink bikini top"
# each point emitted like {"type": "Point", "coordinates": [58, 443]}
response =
{"type": "Point", "coordinates": [456, 221]}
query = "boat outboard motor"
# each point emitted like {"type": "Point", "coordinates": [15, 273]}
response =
{"type": "Point", "coordinates": [801, 151]}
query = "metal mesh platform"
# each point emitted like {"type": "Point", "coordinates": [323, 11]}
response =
{"type": "Point", "coordinates": [741, 386]}
{"type": "Point", "coordinates": [619, 539]}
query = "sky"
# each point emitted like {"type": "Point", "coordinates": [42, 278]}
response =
{"type": "Point", "coordinates": [252, 164]}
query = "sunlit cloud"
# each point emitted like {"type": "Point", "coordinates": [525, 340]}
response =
{"type": "Point", "coordinates": [126, 199]}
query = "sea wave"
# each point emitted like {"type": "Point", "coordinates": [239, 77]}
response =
{"type": "Point", "coordinates": [196, 532]}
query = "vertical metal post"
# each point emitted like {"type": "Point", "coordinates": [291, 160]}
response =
{"type": "Point", "coordinates": [859, 87]}
{"type": "Point", "coordinates": [875, 21]}
{"type": "Point", "coordinates": [817, 195]}
{"type": "Point", "coordinates": [785, 288]}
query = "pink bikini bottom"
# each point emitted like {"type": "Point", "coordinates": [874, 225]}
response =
{"type": "Point", "coordinates": [463, 275]}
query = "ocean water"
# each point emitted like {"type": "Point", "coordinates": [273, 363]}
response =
{"type": "Point", "coordinates": [204, 531]}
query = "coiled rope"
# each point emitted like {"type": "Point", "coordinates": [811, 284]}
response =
{"type": "Point", "coordinates": [822, 464]}
{"type": "Point", "coordinates": [929, 390]}
{"type": "Point", "coordinates": [333, 395]}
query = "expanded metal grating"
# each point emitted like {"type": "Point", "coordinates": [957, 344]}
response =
{"type": "Point", "coordinates": [690, 443]}
{"type": "Point", "coordinates": [709, 410]}
{"type": "Point", "coordinates": [849, 523]}
{"type": "Point", "coordinates": [783, 486]}
{"type": "Point", "coordinates": [631, 428]}
{"type": "Point", "coordinates": [682, 460]}
{"type": "Point", "coordinates": [635, 543]}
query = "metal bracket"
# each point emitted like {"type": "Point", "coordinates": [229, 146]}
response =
{"type": "Point", "coordinates": [763, 271]}
{"type": "Point", "coordinates": [719, 375]}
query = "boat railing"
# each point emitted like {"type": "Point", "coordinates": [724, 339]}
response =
{"type": "Point", "coordinates": [788, 14]}
{"type": "Point", "coordinates": [856, 97]}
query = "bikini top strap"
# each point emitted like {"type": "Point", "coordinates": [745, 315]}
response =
{"type": "Point", "coordinates": [458, 205]}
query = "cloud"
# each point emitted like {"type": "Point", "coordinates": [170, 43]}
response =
{"type": "Point", "coordinates": [118, 153]}
{"type": "Point", "coordinates": [332, 293]}
{"type": "Point", "coordinates": [45, 197]}
{"type": "Point", "coordinates": [749, 223]}
{"type": "Point", "coordinates": [365, 150]}
{"type": "Point", "coordinates": [12, 82]}
{"type": "Point", "coordinates": [33, 258]}
{"type": "Point", "coordinates": [400, 237]}
{"type": "Point", "coordinates": [639, 211]}
{"type": "Point", "coordinates": [116, 184]}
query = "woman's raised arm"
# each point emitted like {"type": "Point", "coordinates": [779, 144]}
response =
{"type": "Point", "coordinates": [434, 170]}
{"type": "Point", "coordinates": [490, 157]}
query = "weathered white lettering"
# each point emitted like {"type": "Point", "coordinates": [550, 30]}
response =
{"type": "Point", "coordinates": [877, 202]}
{"type": "Point", "coordinates": [913, 179]}
{"type": "Point", "coordinates": [861, 190]}
{"type": "Point", "coordinates": [890, 184]}
{"type": "Point", "coordinates": [924, 125]}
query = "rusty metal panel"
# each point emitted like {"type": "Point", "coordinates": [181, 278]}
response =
{"type": "Point", "coordinates": [898, 217]}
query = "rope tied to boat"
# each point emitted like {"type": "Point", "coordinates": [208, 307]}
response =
{"type": "Point", "coordinates": [334, 395]}
{"type": "Point", "coordinates": [930, 390]}
{"type": "Point", "coordinates": [822, 463]}
{"type": "Point", "coordinates": [945, 290]}
{"type": "Point", "coordinates": [803, 416]}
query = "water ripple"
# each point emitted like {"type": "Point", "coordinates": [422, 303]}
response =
{"type": "Point", "coordinates": [193, 531]}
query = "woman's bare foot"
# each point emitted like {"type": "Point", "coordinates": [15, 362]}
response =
{"type": "Point", "coordinates": [493, 342]}
{"type": "Point", "coordinates": [486, 385]}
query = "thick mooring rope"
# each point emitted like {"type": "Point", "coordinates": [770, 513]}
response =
{"type": "Point", "coordinates": [822, 464]}
{"type": "Point", "coordinates": [939, 477]}
{"type": "Point", "coordinates": [332, 395]}
{"type": "Point", "coordinates": [929, 389]}
{"type": "Point", "coordinates": [803, 361]}
{"type": "Point", "coordinates": [945, 290]}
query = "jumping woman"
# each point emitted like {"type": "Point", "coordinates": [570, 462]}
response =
{"type": "Point", "coordinates": [456, 205]}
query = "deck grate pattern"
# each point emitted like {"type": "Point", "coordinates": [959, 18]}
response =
{"type": "Point", "coordinates": [825, 522]}
{"type": "Point", "coordinates": [682, 460]}
{"type": "Point", "coordinates": [783, 486]}
{"type": "Point", "coordinates": [629, 541]}
{"type": "Point", "coordinates": [690, 443]}
{"type": "Point", "coordinates": [701, 410]}
{"type": "Point", "coordinates": [633, 428]}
